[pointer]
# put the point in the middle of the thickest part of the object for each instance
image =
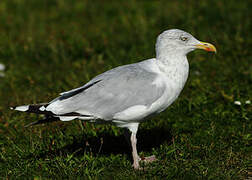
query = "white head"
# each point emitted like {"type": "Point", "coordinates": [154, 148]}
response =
{"type": "Point", "coordinates": [177, 42]}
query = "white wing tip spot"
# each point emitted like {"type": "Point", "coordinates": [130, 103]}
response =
{"type": "Point", "coordinates": [42, 108]}
{"type": "Point", "coordinates": [21, 108]}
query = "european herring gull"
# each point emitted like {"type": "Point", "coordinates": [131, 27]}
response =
{"type": "Point", "coordinates": [126, 95]}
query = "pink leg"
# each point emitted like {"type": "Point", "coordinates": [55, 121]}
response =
{"type": "Point", "coordinates": [136, 159]}
{"type": "Point", "coordinates": [134, 151]}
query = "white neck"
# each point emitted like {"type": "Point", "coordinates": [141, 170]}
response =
{"type": "Point", "coordinates": [175, 66]}
{"type": "Point", "coordinates": [172, 59]}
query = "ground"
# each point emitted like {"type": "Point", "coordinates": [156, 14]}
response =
{"type": "Point", "coordinates": [50, 46]}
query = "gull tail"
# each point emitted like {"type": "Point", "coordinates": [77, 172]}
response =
{"type": "Point", "coordinates": [34, 108]}
{"type": "Point", "coordinates": [50, 116]}
{"type": "Point", "coordinates": [37, 109]}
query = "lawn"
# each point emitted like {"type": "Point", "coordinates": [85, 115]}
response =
{"type": "Point", "coordinates": [51, 46]}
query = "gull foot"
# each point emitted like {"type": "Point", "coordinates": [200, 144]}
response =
{"type": "Point", "coordinates": [149, 159]}
{"type": "Point", "coordinates": [145, 161]}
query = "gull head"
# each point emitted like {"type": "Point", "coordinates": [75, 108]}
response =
{"type": "Point", "coordinates": [178, 42]}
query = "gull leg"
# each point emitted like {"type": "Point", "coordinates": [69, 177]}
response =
{"type": "Point", "coordinates": [133, 127]}
{"type": "Point", "coordinates": [134, 151]}
{"type": "Point", "coordinates": [136, 158]}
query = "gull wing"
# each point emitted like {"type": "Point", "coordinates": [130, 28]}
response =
{"type": "Point", "coordinates": [111, 92]}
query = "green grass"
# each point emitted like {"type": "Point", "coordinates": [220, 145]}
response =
{"type": "Point", "coordinates": [50, 46]}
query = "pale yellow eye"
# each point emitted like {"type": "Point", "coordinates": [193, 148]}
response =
{"type": "Point", "coordinates": [183, 38]}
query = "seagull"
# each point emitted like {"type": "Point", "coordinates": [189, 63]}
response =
{"type": "Point", "coordinates": [126, 95]}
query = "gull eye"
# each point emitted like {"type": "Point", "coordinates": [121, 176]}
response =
{"type": "Point", "coordinates": [183, 38]}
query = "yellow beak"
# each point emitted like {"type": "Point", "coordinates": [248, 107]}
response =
{"type": "Point", "coordinates": [206, 46]}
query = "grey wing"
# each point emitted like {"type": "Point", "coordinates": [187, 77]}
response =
{"type": "Point", "coordinates": [110, 93]}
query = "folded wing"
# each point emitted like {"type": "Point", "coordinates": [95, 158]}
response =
{"type": "Point", "coordinates": [109, 93]}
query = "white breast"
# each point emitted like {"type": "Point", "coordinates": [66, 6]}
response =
{"type": "Point", "coordinates": [174, 77]}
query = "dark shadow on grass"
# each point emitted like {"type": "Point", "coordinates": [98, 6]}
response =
{"type": "Point", "coordinates": [107, 144]}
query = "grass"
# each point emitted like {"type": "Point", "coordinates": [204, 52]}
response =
{"type": "Point", "coordinates": [52, 46]}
